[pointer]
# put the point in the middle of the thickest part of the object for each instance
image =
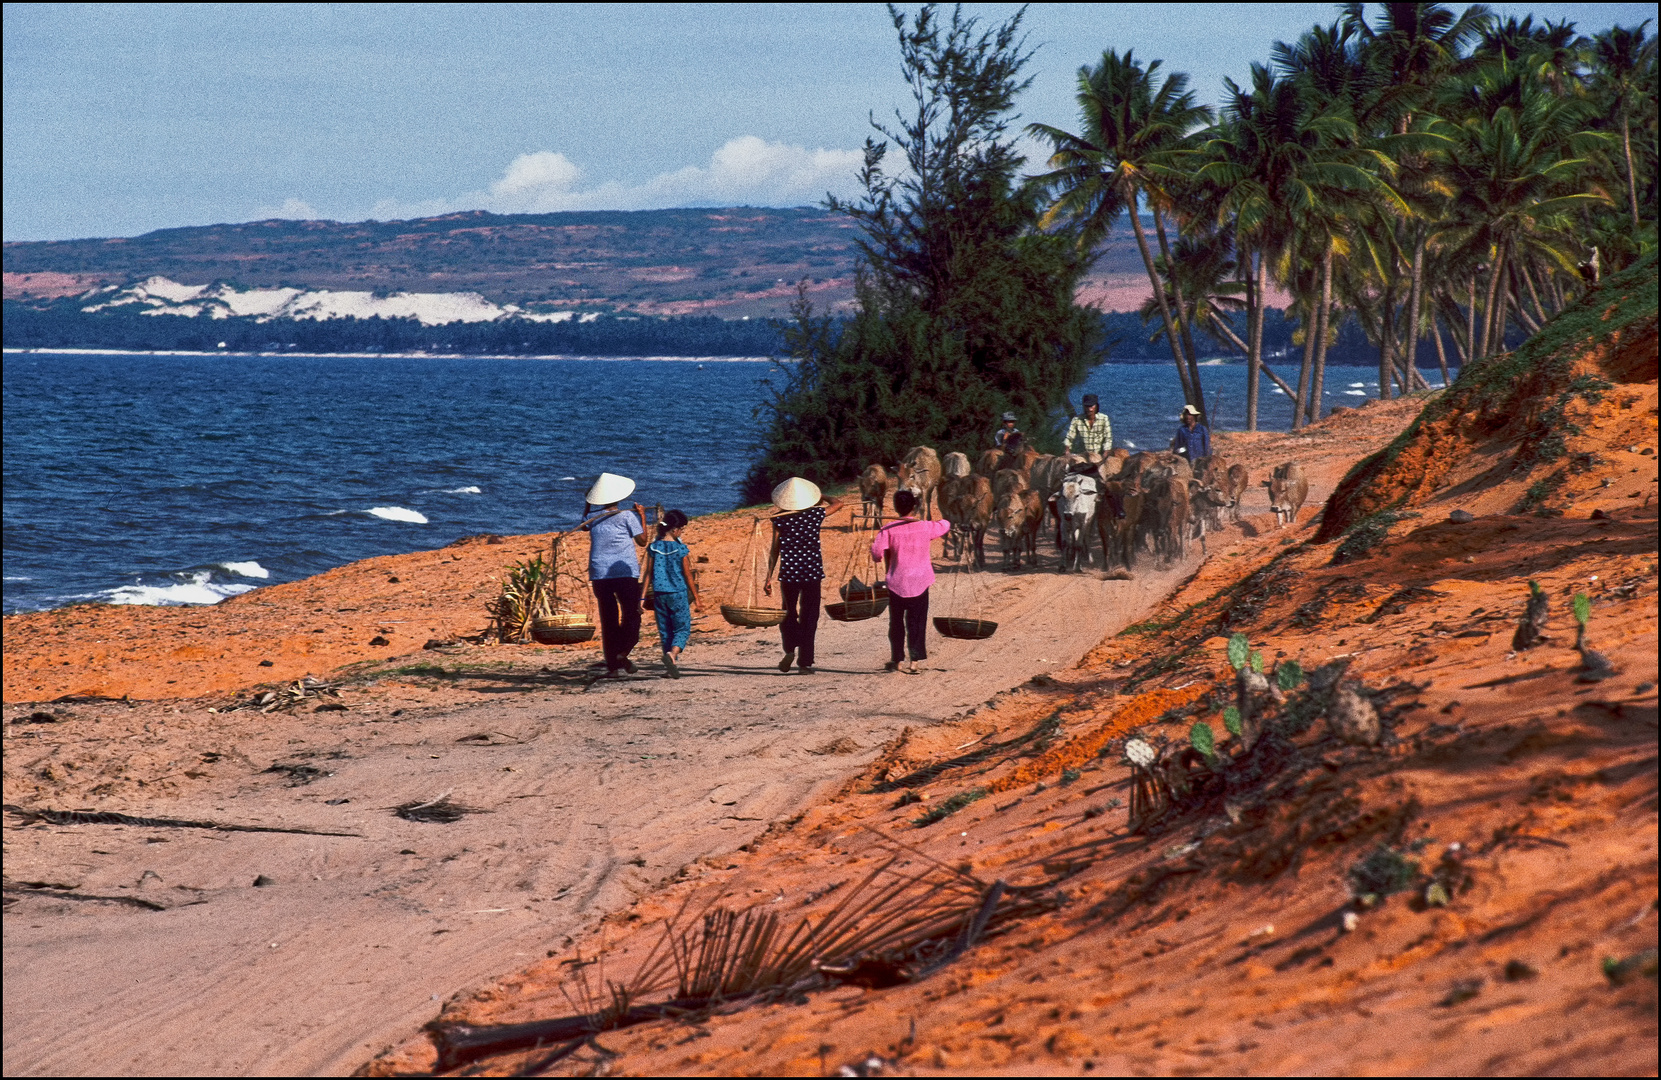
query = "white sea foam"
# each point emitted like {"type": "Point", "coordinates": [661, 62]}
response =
{"type": "Point", "coordinates": [471, 490]}
{"type": "Point", "coordinates": [397, 513]}
{"type": "Point", "coordinates": [1358, 384]}
{"type": "Point", "coordinates": [246, 569]}
{"type": "Point", "coordinates": [1130, 445]}
{"type": "Point", "coordinates": [1355, 393]}
{"type": "Point", "coordinates": [198, 590]}
{"type": "Point", "coordinates": [10, 578]}
{"type": "Point", "coordinates": [568, 478]}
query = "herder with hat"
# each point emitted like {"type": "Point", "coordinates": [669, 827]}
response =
{"type": "Point", "coordinates": [1093, 430]}
{"type": "Point", "coordinates": [801, 566]}
{"type": "Point", "coordinates": [614, 568]}
{"type": "Point", "coordinates": [1001, 437]}
{"type": "Point", "coordinates": [1193, 439]}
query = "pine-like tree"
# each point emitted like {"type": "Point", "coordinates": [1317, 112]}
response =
{"type": "Point", "coordinates": [964, 306]}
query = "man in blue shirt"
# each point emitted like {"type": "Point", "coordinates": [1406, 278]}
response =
{"type": "Point", "coordinates": [1193, 439]}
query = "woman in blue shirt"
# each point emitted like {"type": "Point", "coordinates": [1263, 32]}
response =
{"type": "Point", "coordinates": [613, 569]}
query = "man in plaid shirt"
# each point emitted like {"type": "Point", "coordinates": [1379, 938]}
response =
{"type": "Point", "coordinates": [1095, 429]}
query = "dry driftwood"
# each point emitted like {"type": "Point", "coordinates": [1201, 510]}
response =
{"type": "Point", "coordinates": [105, 817]}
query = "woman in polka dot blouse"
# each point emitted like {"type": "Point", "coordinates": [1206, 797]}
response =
{"type": "Point", "coordinates": [797, 558]}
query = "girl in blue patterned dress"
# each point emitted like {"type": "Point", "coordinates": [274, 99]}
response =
{"type": "Point", "coordinates": [673, 593]}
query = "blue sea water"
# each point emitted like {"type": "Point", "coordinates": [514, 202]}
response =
{"type": "Point", "coordinates": [167, 479]}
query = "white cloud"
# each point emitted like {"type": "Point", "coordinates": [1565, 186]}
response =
{"type": "Point", "coordinates": [291, 209]}
{"type": "Point", "coordinates": [746, 170]}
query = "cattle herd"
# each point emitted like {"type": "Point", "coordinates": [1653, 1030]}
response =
{"type": "Point", "coordinates": [1127, 503]}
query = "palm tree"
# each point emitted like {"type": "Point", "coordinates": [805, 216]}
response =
{"type": "Point", "coordinates": [1518, 158]}
{"type": "Point", "coordinates": [1132, 121]}
{"type": "Point", "coordinates": [1291, 176]}
{"type": "Point", "coordinates": [1623, 71]}
{"type": "Point", "coordinates": [1413, 48]}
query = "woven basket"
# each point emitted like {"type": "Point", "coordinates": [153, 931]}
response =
{"type": "Point", "coordinates": [739, 615]}
{"type": "Point", "coordinates": [878, 591]}
{"type": "Point", "coordinates": [855, 610]}
{"type": "Point", "coordinates": [567, 629]}
{"type": "Point", "coordinates": [972, 629]}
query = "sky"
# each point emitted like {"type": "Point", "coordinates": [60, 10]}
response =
{"type": "Point", "coordinates": [123, 118]}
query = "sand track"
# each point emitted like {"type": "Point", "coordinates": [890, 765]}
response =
{"type": "Point", "coordinates": [594, 797]}
{"type": "Point", "coordinates": [597, 794]}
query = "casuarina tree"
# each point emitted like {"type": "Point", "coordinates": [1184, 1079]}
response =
{"type": "Point", "coordinates": [964, 304]}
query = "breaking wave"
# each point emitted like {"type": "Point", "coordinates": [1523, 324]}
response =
{"type": "Point", "coordinates": [397, 513]}
{"type": "Point", "coordinates": [246, 569]}
{"type": "Point", "coordinates": [199, 589]}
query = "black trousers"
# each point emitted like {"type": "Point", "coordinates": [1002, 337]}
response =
{"type": "Point", "coordinates": [908, 620]}
{"type": "Point", "coordinates": [801, 618]}
{"type": "Point", "coordinates": [619, 600]}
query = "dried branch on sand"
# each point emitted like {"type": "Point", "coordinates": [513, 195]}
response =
{"type": "Point", "coordinates": [892, 927]}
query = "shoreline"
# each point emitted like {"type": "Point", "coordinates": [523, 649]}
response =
{"type": "Point", "coordinates": [316, 624]}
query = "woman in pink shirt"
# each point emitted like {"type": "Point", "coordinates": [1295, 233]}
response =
{"type": "Point", "coordinates": [903, 548]}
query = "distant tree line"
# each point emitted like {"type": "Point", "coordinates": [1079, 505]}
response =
{"type": "Point", "coordinates": [63, 325]}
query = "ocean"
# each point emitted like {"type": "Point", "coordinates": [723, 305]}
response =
{"type": "Point", "coordinates": [184, 479]}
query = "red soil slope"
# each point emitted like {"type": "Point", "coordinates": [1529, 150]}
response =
{"type": "Point", "coordinates": [1474, 893]}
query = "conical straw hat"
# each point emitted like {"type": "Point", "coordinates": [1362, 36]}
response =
{"type": "Point", "coordinates": [609, 488]}
{"type": "Point", "coordinates": [796, 494]}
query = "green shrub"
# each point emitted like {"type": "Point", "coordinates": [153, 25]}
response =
{"type": "Point", "coordinates": [1383, 872]}
{"type": "Point", "coordinates": [948, 807]}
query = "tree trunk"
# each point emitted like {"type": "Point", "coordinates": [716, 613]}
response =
{"type": "Point", "coordinates": [1528, 279]}
{"type": "Point", "coordinates": [1386, 340]}
{"type": "Point", "coordinates": [1182, 320]}
{"type": "Point", "coordinates": [1461, 347]}
{"type": "Point", "coordinates": [1254, 333]}
{"type": "Point", "coordinates": [1441, 353]}
{"type": "Point", "coordinates": [1321, 323]}
{"type": "Point", "coordinates": [1470, 324]}
{"type": "Point", "coordinates": [1227, 332]}
{"type": "Point", "coordinates": [1307, 369]}
{"type": "Point", "coordinates": [1522, 313]}
{"type": "Point", "coordinates": [1631, 187]}
{"type": "Point", "coordinates": [1159, 295]}
{"type": "Point", "coordinates": [1415, 294]}
{"type": "Point", "coordinates": [1253, 383]}
{"type": "Point", "coordinates": [1494, 273]}
{"type": "Point", "coordinates": [1502, 302]}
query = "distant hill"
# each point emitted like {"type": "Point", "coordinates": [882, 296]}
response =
{"type": "Point", "coordinates": [730, 263]}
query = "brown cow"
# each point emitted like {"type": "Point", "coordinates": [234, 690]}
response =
{"type": "Point", "coordinates": [1288, 488]}
{"type": "Point", "coordinates": [1212, 493]}
{"type": "Point", "coordinates": [1166, 514]}
{"type": "Point", "coordinates": [1019, 515]}
{"type": "Point", "coordinates": [1238, 480]}
{"type": "Point", "coordinates": [966, 501]}
{"type": "Point", "coordinates": [1008, 480]}
{"type": "Point", "coordinates": [1119, 536]}
{"type": "Point", "coordinates": [919, 474]}
{"type": "Point", "coordinates": [873, 492]}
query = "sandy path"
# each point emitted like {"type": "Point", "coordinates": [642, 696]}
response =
{"type": "Point", "coordinates": [597, 793]}
{"type": "Point", "coordinates": [595, 796]}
